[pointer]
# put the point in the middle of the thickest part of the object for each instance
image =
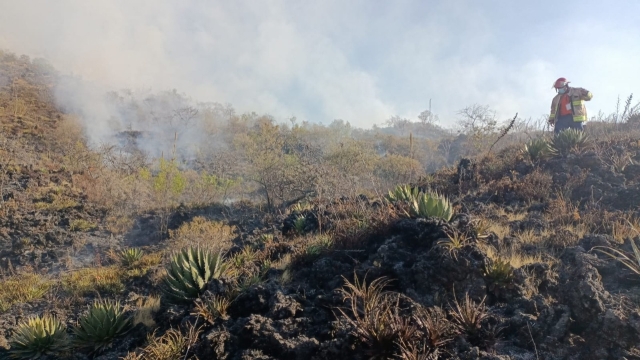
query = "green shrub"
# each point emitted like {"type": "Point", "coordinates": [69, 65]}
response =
{"type": "Point", "coordinates": [39, 337]}
{"type": "Point", "coordinates": [105, 321]}
{"type": "Point", "coordinates": [189, 272]}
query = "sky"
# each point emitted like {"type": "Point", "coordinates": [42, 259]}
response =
{"type": "Point", "coordinates": [361, 61]}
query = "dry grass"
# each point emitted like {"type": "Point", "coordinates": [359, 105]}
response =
{"type": "Point", "coordinates": [580, 229]}
{"type": "Point", "coordinates": [83, 282]}
{"type": "Point", "coordinates": [625, 228]}
{"type": "Point", "coordinates": [511, 255]}
{"type": "Point", "coordinates": [353, 222]}
{"type": "Point", "coordinates": [82, 225]}
{"type": "Point", "coordinates": [212, 309]}
{"type": "Point", "coordinates": [172, 345]}
{"type": "Point", "coordinates": [500, 212]}
{"type": "Point", "coordinates": [23, 288]}
{"type": "Point", "coordinates": [119, 224]}
{"type": "Point", "coordinates": [150, 260]}
{"type": "Point", "coordinates": [562, 212]}
{"type": "Point", "coordinates": [199, 231]}
{"type": "Point", "coordinates": [57, 204]}
{"type": "Point", "coordinates": [499, 229]}
{"type": "Point", "coordinates": [532, 237]}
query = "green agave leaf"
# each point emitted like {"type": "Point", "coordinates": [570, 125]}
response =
{"type": "Point", "coordinates": [189, 272]}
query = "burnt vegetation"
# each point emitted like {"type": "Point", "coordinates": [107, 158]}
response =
{"type": "Point", "coordinates": [304, 241]}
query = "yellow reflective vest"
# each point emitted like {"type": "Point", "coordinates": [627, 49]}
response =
{"type": "Point", "coordinates": [578, 96]}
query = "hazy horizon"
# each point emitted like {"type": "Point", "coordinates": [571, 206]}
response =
{"type": "Point", "coordinates": [361, 61]}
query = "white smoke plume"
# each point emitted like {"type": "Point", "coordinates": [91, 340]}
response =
{"type": "Point", "coordinates": [361, 61]}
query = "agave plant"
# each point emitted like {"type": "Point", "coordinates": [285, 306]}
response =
{"type": "Point", "coordinates": [39, 337]}
{"type": "Point", "coordinates": [130, 256]}
{"type": "Point", "coordinates": [500, 271]}
{"type": "Point", "coordinates": [431, 205]}
{"type": "Point", "coordinates": [403, 193]}
{"type": "Point", "coordinates": [189, 272]}
{"type": "Point", "coordinates": [300, 223]}
{"type": "Point", "coordinates": [537, 149]}
{"type": "Point", "coordinates": [568, 140]}
{"type": "Point", "coordinates": [105, 321]}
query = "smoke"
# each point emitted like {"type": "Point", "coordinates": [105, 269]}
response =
{"type": "Point", "coordinates": [360, 61]}
{"type": "Point", "coordinates": [165, 123]}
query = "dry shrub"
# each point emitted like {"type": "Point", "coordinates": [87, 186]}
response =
{"type": "Point", "coordinates": [70, 142]}
{"type": "Point", "coordinates": [206, 188]}
{"type": "Point", "coordinates": [147, 307]}
{"type": "Point", "coordinates": [532, 187]}
{"type": "Point", "coordinates": [306, 249]}
{"type": "Point", "coordinates": [469, 315]}
{"type": "Point", "coordinates": [375, 318]}
{"type": "Point", "coordinates": [535, 186]}
{"type": "Point", "coordinates": [561, 238]}
{"type": "Point", "coordinates": [495, 166]}
{"type": "Point", "coordinates": [150, 260]}
{"type": "Point", "coordinates": [436, 330]}
{"type": "Point", "coordinates": [397, 169]}
{"type": "Point", "coordinates": [352, 157]}
{"type": "Point", "coordinates": [119, 224]}
{"type": "Point", "coordinates": [441, 181]}
{"type": "Point", "coordinates": [121, 193]}
{"type": "Point", "coordinates": [199, 231]}
{"type": "Point", "coordinates": [354, 221]}
{"type": "Point", "coordinates": [561, 211]}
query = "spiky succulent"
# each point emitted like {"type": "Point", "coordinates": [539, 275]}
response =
{"type": "Point", "coordinates": [432, 205]}
{"type": "Point", "coordinates": [39, 337]}
{"type": "Point", "coordinates": [500, 271]}
{"type": "Point", "coordinates": [403, 193]}
{"type": "Point", "coordinates": [568, 140]}
{"type": "Point", "coordinates": [537, 149]}
{"type": "Point", "coordinates": [189, 272]}
{"type": "Point", "coordinates": [300, 223]}
{"type": "Point", "coordinates": [130, 256]}
{"type": "Point", "coordinates": [105, 321]}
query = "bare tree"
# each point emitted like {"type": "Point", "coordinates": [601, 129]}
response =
{"type": "Point", "coordinates": [478, 118]}
{"type": "Point", "coordinates": [427, 117]}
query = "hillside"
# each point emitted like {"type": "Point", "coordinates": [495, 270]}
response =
{"type": "Point", "coordinates": [284, 243]}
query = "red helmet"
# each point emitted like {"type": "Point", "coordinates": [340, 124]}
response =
{"type": "Point", "coordinates": [560, 83]}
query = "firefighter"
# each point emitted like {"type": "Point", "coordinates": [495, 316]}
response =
{"type": "Point", "coordinates": [568, 110]}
